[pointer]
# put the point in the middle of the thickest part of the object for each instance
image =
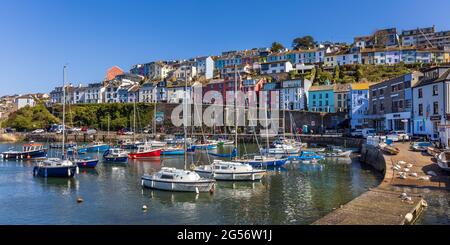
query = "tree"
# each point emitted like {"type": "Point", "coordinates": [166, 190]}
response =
{"type": "Point", "coordinates": [276, 47]}
{"type": "Point", "coordinates": [305, 42]}
{"type": "Point", "coordinates": [337, 72]}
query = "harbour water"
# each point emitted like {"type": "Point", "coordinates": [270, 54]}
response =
{"type": "Point", "coordinates": [112, 194]}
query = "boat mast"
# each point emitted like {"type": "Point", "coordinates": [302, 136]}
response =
{"type": "Point", "coordinates": [235, 109]}
{"type": "Point", "coordinates": [154, 112]}
{"type": "Point", "coordinates": [134, 119]}
{"type": "Point", "coordinates": [64, 110]}
{"type": "Point", "coordinates": [185, 119]}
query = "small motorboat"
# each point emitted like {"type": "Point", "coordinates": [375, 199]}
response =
{"type": "Point", "coordinates": [306, 156]}
{"type": "Point", "coordinates": [282, 149]}
{"type": "Point", "coordinates": [76, 150]}
{"type": "Point", "coordinates": [227, 170]}
{"type": "Point", "coordinates": [206, 146]}
{"type": "Point", "coordinates": [264, 161]}
{"type": "Point", "coordinates": [338, 153]}
{"type": "Point", "coordinates": [145, 151]}
{"type": "Point", "coordinates": [29, 151]}
{"type": "Point", "coordinates": [128, 144]}
{"type": "Point", "coordinates": [87, 162]}
{"type": "Point", "coordinates": [97, 147]}
{"type": "Point", "coordinates": [59, 145]}
{"type": "Point", "coordinates": [420, 146]}
{"type": "Point", "coordinates": [172, 151]}
{"type": "Point", "coordinates": [155, 143]}
{"type": "Point", "coordinates": [388, 149]}
{"type": "Point", "coordinates": [443, 160]}
{"type": "Point", "coordinates": [55, 167]}
{"type": "Point", "coordinates": [172, 179]}
{"type": "Point", "coordinates": [115, 155]}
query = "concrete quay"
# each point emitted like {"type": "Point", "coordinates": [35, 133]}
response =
{"type": "Point", "coordinates": [384, 204]}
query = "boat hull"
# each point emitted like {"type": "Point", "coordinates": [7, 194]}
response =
{"type": "Point", "coordinates": [178, 186]}
{"type": "Point", "coordinates": [55, 172]}
{"type": "Point", "coordinates": [154, 153]}
{"type": "Point", "coordinates": [226, 176]}
{"type": "Point", "coordinates": [265, 163]}
{"type": "Point", "coordinates": [25, 155]}
{"type": "Point", "coordinates": [100, 148]}
{"type": "Point", "coordinates": [91, 163]}
{"type": "Point", "coordinates": [113, 159]}
{"type": "Point", "coordinates": [172, 152]}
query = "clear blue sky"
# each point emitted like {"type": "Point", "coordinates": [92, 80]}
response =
{"type": "Point", "coordinates": [39, 36]}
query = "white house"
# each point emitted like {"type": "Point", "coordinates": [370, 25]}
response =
{"type": "Point", "coordinates": [147, 93]}
{"type": "Point", "coordinates": [276, 67]}
{"type": "Point", "coordinates": [25, 100]}
{"type": "Point", "coordinates": [431, 104]}
{"type": "Point", "coordinates": [205, 66]}
{"type": "Point", "coordinates": [94, 93]}
{"type": "Point", "coordinates": [185, 72]}
{"type": "Point", "coordinates": [294, 94]}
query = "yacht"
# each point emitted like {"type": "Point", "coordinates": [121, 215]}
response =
{"type": "Point", "coordinates": [227, 170]}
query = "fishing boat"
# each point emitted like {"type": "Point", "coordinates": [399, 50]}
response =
{"type": "Point", "coordinates": [172, 151]}
{"type": "Point", "coordinates": [97, 147]}
{"type": "Point", "coordinates": [172, 179]}
{"type": "Point", "coordinates": [87, 162]}
{"type": "Point", "coordinates": [264, 161]}
{"type": "Point", "coordinates": [307, 156]}
{"type": "Point", "coordinates": [29, 151]}
{"type": "Point", "coordinates": [226, 170]}
{"type": "Point", "coordinates": [115, 155]}
{"type": "Point", "coordinates": [388, 149]}
{"type": "Point", "coordinates": [145, 151]}
{"type": "Point", "coordinates": [443, 161]}
{"type": "Point", "coordinates": [55, 167]}
{"type": "Point", "coordinates": [420, 146]}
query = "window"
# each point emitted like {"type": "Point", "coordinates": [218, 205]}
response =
{"type": "Point", "coordinates": [420, 110]}
{"type": "Point", "coordinates": [381, 106]}
{"type": "Point", "coordinates": [420, 94]}
{"type": "Point", "coordinates": [436, 108]}
{"type": "Point", "coordinates": [374, 93]}
{"type": "Point", "coordinates": [435, 90]}
{"type": "Point", "coordinates": [326, 96]}
{"type": "Point", "coordinates": [314, 96]}
{"type": "Point", "coordinates": [374, 109]}
{"type": "Point", "coordinates": [381, 91]}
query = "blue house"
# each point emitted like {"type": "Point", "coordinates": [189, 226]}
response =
{"type": "Point", "coordinates": [359, 105]}
{"type": "Point", "coordinates": [321, 98]}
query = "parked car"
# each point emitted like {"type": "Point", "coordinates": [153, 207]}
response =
{"type": "Point", "coordinates": [38, 131]}
{"type": "Point", "coordinates": [357, 133]}
{"type": "Point", "coordinates": [397, 136]}
{"type": "Point", "coordinates": [366, 132]}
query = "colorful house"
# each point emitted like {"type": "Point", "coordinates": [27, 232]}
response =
{"type": "Point", "coordinates": [359, 105]}
{"type": "Point", "coordinates": [321, 98]}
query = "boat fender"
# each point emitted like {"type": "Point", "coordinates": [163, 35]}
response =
{"type": "Point", "coordinates": [28, 157]}
{"type": "Point", "coordinates": [80, 200]}
{"type": "Point", "coordinates": [144, 207]}
{"type": "Point", "coordinates": [196, 190]}
{"type": "Point", "coordinates": [77, 170]}
{"type": "Point", "coordinates": [68, 172]}
{"type": "Point", "coordinates": [213, 188]}
{"type": "Point", "coordinates": [142, 182]}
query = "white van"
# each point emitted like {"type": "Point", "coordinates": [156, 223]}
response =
{"type": "Point", "coordinates": [368, 132]}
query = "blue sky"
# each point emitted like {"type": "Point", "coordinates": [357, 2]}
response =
{"type": "Point", "coordinates": [39, 36]}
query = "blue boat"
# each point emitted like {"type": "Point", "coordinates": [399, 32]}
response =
{"type": "Point", "coordinates": [115, 155]}
{"type": "Point", "coordinates": [29, 151]}
{"type": "Point", "coordinates": [263, 161]}
{"type": "Point", "coordinates": [87, 162]}
{"type": "Point", "coordinates": [172, 151]}
{"type": "Point", "coordinates": [75, 150]}
{"type": "Point", "coordinates": [231, 155]}
{"type": "Point", "coordinates": [55, 167]}
{"type": "Point", "coordinates": [97, 147]}
{"type": "Point", "coordinates": [209, 146]}
{"type": "Point", "coordinates": [307, 156]}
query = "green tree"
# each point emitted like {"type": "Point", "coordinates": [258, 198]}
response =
{"type": "Point", "coordinates": [337, 74]}
{"type": "Point", "coordinates": [305, 42]}
{"type": "Point", "coordinates": [276, 47]}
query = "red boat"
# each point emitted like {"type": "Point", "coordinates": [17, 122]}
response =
{"type": "Point", "coordinates": [145, 151]}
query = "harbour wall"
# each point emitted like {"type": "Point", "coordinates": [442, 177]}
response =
{"type": "Point", "coordinates": [373, 157]}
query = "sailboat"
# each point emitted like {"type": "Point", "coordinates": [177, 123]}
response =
{"type": "Point", "coordinates": [181, 180]}
{"type": "Point", "coordinates": [57, 167]}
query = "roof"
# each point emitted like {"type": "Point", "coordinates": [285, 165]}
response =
{"type": "Point", "coordinates": [339, 87]}
{"type": "Point", "coordinates": [444, 77]}
{"type": "Point", "coordinates": [321, 88]}
{"type": "Point", "coordinates": [113, 72]}
{"type": "Point", "coordinates": [360, 86]}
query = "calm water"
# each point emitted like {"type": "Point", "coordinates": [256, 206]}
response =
{"type": "Point", "coordinates": [112, 195]}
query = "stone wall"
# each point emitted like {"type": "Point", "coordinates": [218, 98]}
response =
{"type": "Point", "coordinates": [372, 156]}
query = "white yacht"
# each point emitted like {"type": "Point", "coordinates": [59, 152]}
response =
{"type": "Point", "coordinates": [225, 170]}
{"type": "Point", "coordinates": [172, 179]}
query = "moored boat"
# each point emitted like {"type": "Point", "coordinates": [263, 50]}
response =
{"type": "Point", "coordinates": [145, 151]}
{"type": "Point", "coordinates": [264, 161]}
{"type": "Point", "coordinates": [388, 149]}
{"type": "Point", "coordinates": [226, 170]}
{"type": "Point", "coordinates": [420, 146]}
{"type": "Point", "coordinates": [87, 162]}
{"type": "Point", "coordinates": [115, 155]}
{"type": "Point", "coordinates": [172, 179]}
{"type": "Point", "coordinates": [55, 167]}
{"type": "Point", "coordinates": [29, 151]}
{"type": "Point", "coordinates": [97, 147]}
{"type": "Point", "coordinates": [172, 151]}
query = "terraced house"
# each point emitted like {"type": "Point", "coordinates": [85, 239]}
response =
{"type": "Point", "coordinates": [321, 98]}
